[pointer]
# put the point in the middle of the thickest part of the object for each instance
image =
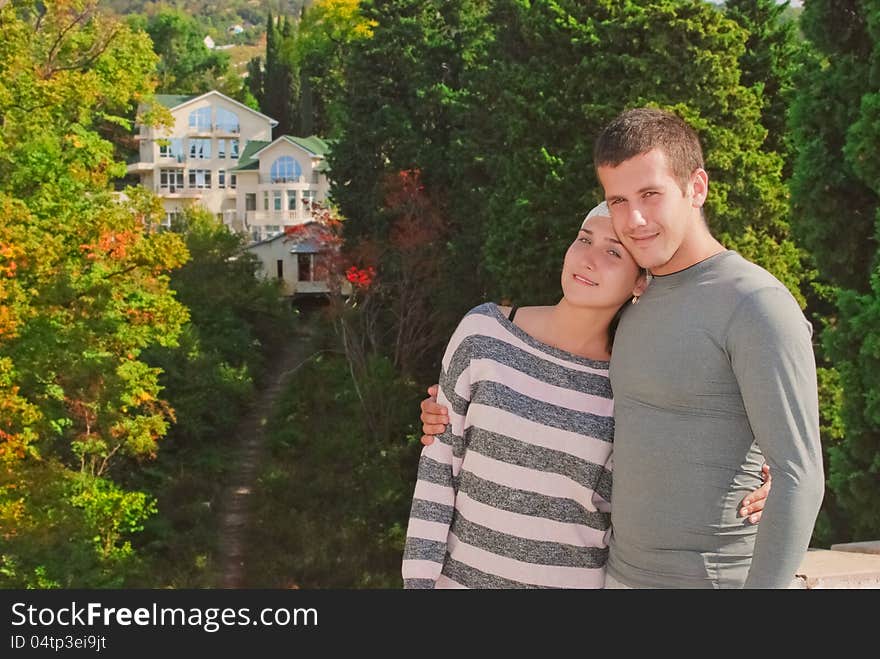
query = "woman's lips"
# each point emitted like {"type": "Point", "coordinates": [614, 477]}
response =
{"type": "Point", "coordinates": [585, 280]}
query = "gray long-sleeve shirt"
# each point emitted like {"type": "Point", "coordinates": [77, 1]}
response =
{"type": "Point", "coordinates": [713, 372]}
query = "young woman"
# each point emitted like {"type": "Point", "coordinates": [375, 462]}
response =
{"type": "Point", "coordinates": [515, 492]}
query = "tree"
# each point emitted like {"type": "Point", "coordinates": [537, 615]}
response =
{"type": "Point", "coordinates": [235, 319]}
{"type": "Point", "coordinates": [836, 208]}
{"type": "Point", "coordinates": [403, 111]}
{"type": "Point", "coordinates": [826, 190]}
{"type": "Point", "coordinates": [773, 54]}
{"type": "Point", "coordinates": [281, 79]}
{"type": "Point", "coordinates": [327, 30]}
{"type": "Point", "coordinates": [558, 71]}
{"type": "Point", "coordinates": [186, 64]}
{"type": "Point", "coordinates": [85, 292]}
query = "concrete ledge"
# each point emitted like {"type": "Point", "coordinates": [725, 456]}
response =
{"type": "Point", "coordinates": [828, 568]}
{"type": "Point", "coordinates": [871, 547]}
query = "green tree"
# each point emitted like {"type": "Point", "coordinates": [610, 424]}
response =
{"type": "Point", "coordinates": [773, 54]}
{"type": "Point", "coordinates": [826, 190]}
{"type": "Point", "coordinates": [85, 292]}
{"type": "Point", "coordinates": [836, 208]}
{"type": "Point", "coordinates": [186, 64]}
{"type": "Point", "coordinates": [235, 318]}
{"type": "Point", "coordinates": [281, 78]}
{"type": "Point", "coordinates": [326, 32]}
{"type": "Point", "coordinates": [403, 114]}
{"type": "Point", "coordinates": [558, 70]}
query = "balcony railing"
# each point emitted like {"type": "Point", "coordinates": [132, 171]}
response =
{"type": "Point", "coordinates": [179, 190]}
{"type": "Point", "coordinates": [282, 179]}
{"type": "Point", "coordinates": [215, 128]}
{"type": "Point", "coordinates": [277, 217]}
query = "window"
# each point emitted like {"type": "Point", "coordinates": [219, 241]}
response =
{"type": "Point", "coordinates": [233, 181]}
{"type": "Point", "coordinates": [221, 178]}
{"type": "Point", "coordinates": [250, 201]}
{"type": "Point", "coordinates": [304, 267]}
{"type": "Point", "coordinates": [227, 148]}
{"type": "Point", "coordinates": [272, 230]}
{"type": "Point", "coordinates": [200, 119]}
{"type": "Point", "coordinates": [171, 217]}
{"type": "Point", "coordinates": [276, 200]}
{"type": "Point", "coordinates": [265, 200]}
{"type": "Point", "coordinates": [285, 169]}
{"type": "Point", "coordinates": [227, 121]}
{"type": "Point", "coordinates": [200, 178]}
{"type": "Point", "coordinates": [255, 234]}
{"type": "Point", "coordinates": [172, 148]}
{"type": "Point", "coordinates": [308, 197]}
{"type": "Point", "coordinates": [279, 268]}
{"type": "Point", "coordinates": [200, 148]}
{"type": "Point", "coordinates": [291, 200]}
{"type": "Point", "coordinates": [170, 180]}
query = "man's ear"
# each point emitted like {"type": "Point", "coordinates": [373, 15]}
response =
{"type": "Point", "coordinates": [700, 187]}
{"type": "Point", "coordinates": [641, 285]}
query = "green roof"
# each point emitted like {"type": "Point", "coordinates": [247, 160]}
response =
{"type": "Point", "coordinates": [312, 143]}
{"type": "Point", "coordinates": [246, 160]}
{"type": "Point", "coordinates": [173, 100]}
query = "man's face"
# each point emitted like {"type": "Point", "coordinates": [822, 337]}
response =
{"type": "Point", "coordinates": [653, 218]}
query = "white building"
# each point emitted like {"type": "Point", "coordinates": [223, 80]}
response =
{"type": "Point", "coordinates": [298, 264]}
{"type": "Point", "coordinates": [276, 182]}
{"type": "Point", "coordinates": [220, 154]}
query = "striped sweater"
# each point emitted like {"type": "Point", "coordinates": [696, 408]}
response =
{"type": "Point", "coordinates": [515, 492]}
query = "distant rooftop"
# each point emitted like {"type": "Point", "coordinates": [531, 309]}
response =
{"type": "Point", "coordinates": [246, 160]}
{"type": "Point", "coordinates": [173, 100]}
{"type": "Point", "coordinates": [312, 144]}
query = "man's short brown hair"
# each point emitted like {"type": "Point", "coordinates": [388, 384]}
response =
{"type": "Point", "coordinates": [640, 130]}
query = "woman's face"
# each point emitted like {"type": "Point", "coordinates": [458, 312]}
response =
{"type": "Point", "coordinates": [598, 272]}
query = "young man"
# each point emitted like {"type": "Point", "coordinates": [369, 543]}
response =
{"type": "Point", "coordinates": [712, 372]}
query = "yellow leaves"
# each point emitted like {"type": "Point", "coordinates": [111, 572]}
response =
{"type": "Point", "coordinates": [12, 513]}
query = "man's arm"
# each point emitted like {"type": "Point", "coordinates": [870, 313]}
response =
{"type": "Point", "coordinates": [769, 343]}
{"type": "Point", "coordinates": [434, 419]}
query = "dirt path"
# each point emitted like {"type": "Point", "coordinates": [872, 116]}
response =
{"type": "Point", "coordinates": [251, 438]}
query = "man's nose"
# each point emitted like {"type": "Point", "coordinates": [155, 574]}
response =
{"type": "Point", "coordinates": [636, 219]}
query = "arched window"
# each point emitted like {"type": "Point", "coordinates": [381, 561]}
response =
{"type": "Point", "coordinates": [227, 121]}
{"type": "Point", "coordinates": [285, 169]}
{"type": "Point", "coordinates": [200, 119]}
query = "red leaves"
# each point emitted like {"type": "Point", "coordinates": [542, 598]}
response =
{"type": "Point", "coordinates": [419, 221]}
{"type": "Point", "coordinates": [112, 244]}
{"type": "Point", "coordinates": [361, 277]}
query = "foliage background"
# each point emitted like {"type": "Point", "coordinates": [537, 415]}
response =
{"type": "Point", "coordinates": [461, 135]}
